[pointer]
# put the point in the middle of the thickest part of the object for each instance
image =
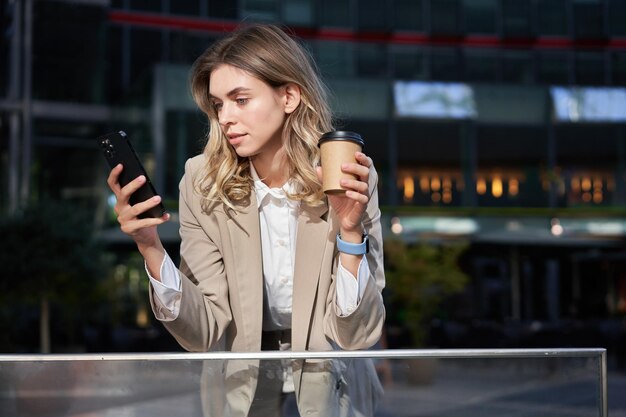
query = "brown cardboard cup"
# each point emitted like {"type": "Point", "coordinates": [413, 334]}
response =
{"type": "Point", "coordinates": [337, 148]}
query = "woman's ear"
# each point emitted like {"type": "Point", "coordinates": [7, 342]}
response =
{"type": "Point", "coordinates": [291, 97]}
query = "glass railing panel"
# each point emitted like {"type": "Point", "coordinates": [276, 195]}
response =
{"type": "Point", "coordinates": [394, 383]}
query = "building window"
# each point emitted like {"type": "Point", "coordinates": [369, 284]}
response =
{"type": "Point", "coordinates": [588, 169]}
{"type": "Point", "coordinates": [408, 15]}
{"type": "Point", "coordinates": [373, 14]}
{"type": "Point", "coordinates": [517, 67]}
{"type": "Point", "coordinates": [481, 66]}
{"type": "Point", "coordinates": [509, 166]}
{"type": "Point", "coordinates": [553, 68]}
{"type": "Point", "coordinates": [262, 10]}
{"type": "Point", "coordinates": [479, 16]}
{"type": "Point", "coordinates": [444, 17]}
{"type": "Point", "coordinates": [6, 28]}
{"type": "Point", "coordinates": [590, 69]}
{"type": "Point", "coordinates": [372, 60]}
{"type": "Point", "coordinates": [550, 17]}
{"type": "Point", "coordinates": [445, 64]}
{"type": "Point", "coordinates": [617, 17]}
{"type": "Point", "coordinates": [146, 5]}
{"type": "Point", "coordinates": [588, 19]}
{"type": "Point", "coordinates": [223, 9]}
{"type": "Point", "coordinates": [335, 59]}
{"type": "Point", "coordinates": [618, 67]}
{"type": "Point", "coordinates": [515, 18]}
{"type": "Point", "coordinates": [187, 46]}
{"type": "Point", "coordinates": [429, 163]}
{"type": "Point", "coordinates": [335, 13]}
{"type": "Point", "coordinates": [67, 67]}
{"type": "Point", "coordinates": [409, 63]}
{"type": "Point", "coordinates": [185, 7]}
{"type": "Point", "coordinates": [298, 12]}
{"type": "Point", "coordinates": [146, 49]}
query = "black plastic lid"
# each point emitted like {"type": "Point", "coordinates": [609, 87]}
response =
{"type": "Point", "coordinates": [342, 135]}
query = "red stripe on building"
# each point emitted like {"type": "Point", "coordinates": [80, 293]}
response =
{"type": "Point", "coordinates": [173, 22]}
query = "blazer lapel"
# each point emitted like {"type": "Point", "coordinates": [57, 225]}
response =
{"type": "Point", "coordinates": [245, 239]}
{"type": "Point", "coordinates": [311, 240]}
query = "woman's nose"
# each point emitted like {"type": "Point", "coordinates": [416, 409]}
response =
{"type": "Point", "coordinates": [225, 115]}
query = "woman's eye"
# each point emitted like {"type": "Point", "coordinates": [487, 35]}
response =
{"type": "Point", "coordinates": [217, 106]}
{"type": "Point", "coordinates": [241, 101]}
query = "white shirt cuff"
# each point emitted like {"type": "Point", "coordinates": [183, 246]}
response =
{"type": "Point", "coordinates": [350, 289]}
{"type": "Point", "coordinates": [167, 291]}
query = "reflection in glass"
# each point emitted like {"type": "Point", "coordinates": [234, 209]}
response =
{"type": "Point", "coordinates": [580, 104]}
{"type": "Point", "coordinates": [439, 100]}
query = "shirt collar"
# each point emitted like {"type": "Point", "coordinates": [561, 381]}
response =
{"type": "Point", "coordinates": [263, 191]}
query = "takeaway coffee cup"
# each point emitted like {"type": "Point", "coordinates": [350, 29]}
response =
{"type": "Point", "coordinates": [337, 148]}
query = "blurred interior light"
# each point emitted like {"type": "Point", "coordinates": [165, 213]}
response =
{"type": "Point", "coordinates": [409, 188]}
{"type": "Point", "coordinates": [481, 186]}
{"type": "Point", "coordinates": [597, 183]}
{"type": "Point", "coordinates": [610, 185]}
{"type": "Point", "coordinates": [396, 227]}
{"type": "Point", "coordinates": [585, 184]}
{"type": "Point", "coordinates": [436, 197]}
{"type": "Point", "coordinates": [513, 187]}
{"type": "Point", "coordinates": [424, 184]}
{"type": "Point", "coordinates": [435, 184]}
{"type": "Point", "coordinates": [496, 187]}
{"type": "Point", "coordinates": [555, 227]}
{"type": "Point", "coordinates": [141, 318]}
{"type": "Point", "coordinates": [597, 196]}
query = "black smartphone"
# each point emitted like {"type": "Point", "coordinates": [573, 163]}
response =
{"type": "Point", "coordinates": [116, 148]}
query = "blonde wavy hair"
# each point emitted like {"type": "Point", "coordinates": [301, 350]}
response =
{"type": "Point", "coordinates": [269, 54]}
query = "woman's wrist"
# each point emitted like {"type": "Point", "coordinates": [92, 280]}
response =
{"type": "Point", "coordinates": [352, 236]}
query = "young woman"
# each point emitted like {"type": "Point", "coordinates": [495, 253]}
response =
{"type": "Point", "coordinates": [263, 264]}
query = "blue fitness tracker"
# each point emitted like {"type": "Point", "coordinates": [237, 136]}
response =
{"type": "Point", "coordinates": [354, 248]}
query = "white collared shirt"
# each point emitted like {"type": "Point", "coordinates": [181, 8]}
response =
{"type": "Point", "coordinates": [278, 218]}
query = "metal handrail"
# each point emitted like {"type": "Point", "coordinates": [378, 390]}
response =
{"type": "Point", "coordinates": [269, 355]}
{"type": "Point", "coordinates": [598, 353]}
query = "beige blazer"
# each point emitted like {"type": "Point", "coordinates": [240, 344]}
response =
{"type": "Point", "coordinates": [222, 279]}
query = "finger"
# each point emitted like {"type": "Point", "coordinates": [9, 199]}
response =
{"type": "Point", "coordinates": [132, 186]}
{"type": "Point", "coordinates": [131, 214]}
{"type": "Point", "coordinates": [132, 227]}
{"type": "Point", "coordinates": [355, 185]}
{"type": "Point", "coordinates": [144, 206]}
{"type": "Point", "coordinates": [113, 179]}
{"type": "Point", "coordinates": [358, 197]}
{"type": "Point", "coordinates": [363, 159]}
{"type": "Point", "coordinates": [358, 170]}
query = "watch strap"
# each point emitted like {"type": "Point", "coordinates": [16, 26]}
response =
{"type": "Point", "coordinates": [353, 248]}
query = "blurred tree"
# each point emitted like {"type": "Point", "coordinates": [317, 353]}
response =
{"type": "Point", "coordinates": [49, 256]}
{"type": "Point", "coordinates": [419, 278]}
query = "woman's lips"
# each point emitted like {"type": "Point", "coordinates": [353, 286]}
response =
{"type": "Point", "coordinates": [235, 139]}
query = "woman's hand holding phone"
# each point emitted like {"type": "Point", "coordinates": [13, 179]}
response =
{"type": "Point", "coordinates": [142, 230]}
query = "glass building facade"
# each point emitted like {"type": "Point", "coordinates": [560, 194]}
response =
{"type": "Point", "coordinates": [500, 122]}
